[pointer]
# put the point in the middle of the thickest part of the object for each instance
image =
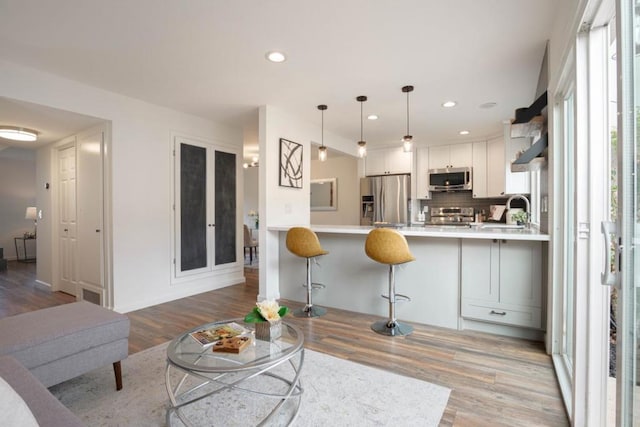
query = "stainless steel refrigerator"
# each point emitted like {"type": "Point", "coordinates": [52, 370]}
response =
{"type": "Point", "coordinates": [385, 199]}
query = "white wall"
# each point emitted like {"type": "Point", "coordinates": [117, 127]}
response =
{"type": "Point", "coordinates": [345, 169]}
{"type": "Point", "coordinates": [568, 16]}
{"type": "Point", "coordinates": [250, 195]}
{"type": "Point", "coordinates": [44, 267]}
{"type": "Point", "coordinates": [283, 205]}
{"type": "Point", "coordinates": [17, 192]}
{"type": "Point", "coordinates": [141, 179]}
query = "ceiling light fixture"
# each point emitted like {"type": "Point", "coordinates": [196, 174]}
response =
{"type": "Point", "coordinates": [275, 56]}
{"type": "Point", "coordinates": [464, 132]}
{"type": "Point", "coordinates": [488, 105]}
{"type": "Point", "coordinates": [254, 162]}
{"type": "Point", "coordinates": [18, 134]}
{"type": "Point", "coordinates": [449, 104]}
{"type": "Point", "coordinates": [322, 150]}
{"type": "Point", "coordinates": [362, 144]}
{"type": "Point", "coordinates": [407, 140]}
{"type": "Point", "coordinates": [372, 117]}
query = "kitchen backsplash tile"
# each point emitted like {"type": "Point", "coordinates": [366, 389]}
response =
{"type": "Point", "coordinates": [464, 199]}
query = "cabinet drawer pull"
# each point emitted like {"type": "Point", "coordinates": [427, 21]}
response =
{"type": "Point", "coordinates": [499, 313]}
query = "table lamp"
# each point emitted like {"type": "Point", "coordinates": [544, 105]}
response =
{"type": "Point", "coordinates": [32, 214]}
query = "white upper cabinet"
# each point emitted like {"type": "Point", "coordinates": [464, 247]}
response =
{"type": "Point", "coordinates": [450, 156]}
{"type": "Point", "coordinates": [501, 152]}
{"type": "Point", "coordinates": [387, 161]}
{"type": "Point", "coordinates": [422, 175]}
{"type": "Point", "coordinates": [479, 170]}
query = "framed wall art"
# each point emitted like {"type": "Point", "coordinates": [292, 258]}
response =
{"type": "Point", "coordinates": [290, 164]}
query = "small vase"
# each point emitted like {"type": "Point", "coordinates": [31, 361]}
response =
{"type": "Point", "coordinates": [257, 224]}
{"type": "Point", "coordinates": [269, 331]}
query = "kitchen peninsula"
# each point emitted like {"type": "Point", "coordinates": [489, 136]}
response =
{"type": "Point", "coordinates": [480, 278]}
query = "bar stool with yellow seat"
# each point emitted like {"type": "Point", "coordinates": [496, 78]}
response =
{"type": "Point", "coordinates": [304, 243]}
{"type": "Point", "coordinates": [388, 246]}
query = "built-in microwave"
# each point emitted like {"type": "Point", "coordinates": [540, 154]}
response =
{"type": "Point", "coordinates": [450, 179]}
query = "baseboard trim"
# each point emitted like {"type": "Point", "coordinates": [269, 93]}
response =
{"type": "Point", "coordinates": [43, 285]}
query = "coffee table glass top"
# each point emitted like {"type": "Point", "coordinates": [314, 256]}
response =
{"type": "Point", "coordinates": [185, 352]}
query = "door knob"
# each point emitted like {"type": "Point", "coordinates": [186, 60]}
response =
{"type": "Point", "coordinates": [66, 229]}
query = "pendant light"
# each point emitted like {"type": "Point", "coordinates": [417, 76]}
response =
{"type": "Point", "coordinates": [407, 140]}
{"type": "Point", "coordinates": [322, 150]}
{"type": "Point", "coordinates": [362, 144]}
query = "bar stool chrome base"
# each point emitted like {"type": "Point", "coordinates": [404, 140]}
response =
{"type": "Point", "coordinates": [313, 311]}
{"type": "Point", "coordinates": [391, 329]}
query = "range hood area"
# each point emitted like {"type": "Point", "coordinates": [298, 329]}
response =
{"type": "Point", "coordinates": [530, 123]}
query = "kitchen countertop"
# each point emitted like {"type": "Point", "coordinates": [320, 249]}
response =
{"type": "Point", "coordinates": [474, 232]}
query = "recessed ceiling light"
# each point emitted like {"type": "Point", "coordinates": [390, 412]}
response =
{"type": "Point", "coordinates": [18, 133]}
{"type": "Point", "coordinates": [372, 117]}
{"type": "Point", "coordinates": [275, 56]}
{"type": "Point", "coordinates": [449, 104]}
{"type": "Point", "coordinates": [488, 105]}
{"type": "Point", "coordinates": [464, 132]}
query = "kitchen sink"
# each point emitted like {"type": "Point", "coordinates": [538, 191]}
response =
{"type": "Point", "coordinates": [512, 226]}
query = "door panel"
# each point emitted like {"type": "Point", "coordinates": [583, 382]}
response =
{"type": "Point", "coordinates": [225, 208]}
{"type": "Point", "coordinates": [193, 208]}
{"type": "Point", "coordinates": [206, 234]}
{"type": "Point", "coordinates": [67, 219]}
{"type": "Point", "coordinates": [89, 208]}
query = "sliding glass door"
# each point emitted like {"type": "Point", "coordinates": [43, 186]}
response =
{"type": "Point", "coordinates": [628, 307]}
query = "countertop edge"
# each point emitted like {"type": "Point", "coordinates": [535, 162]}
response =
{"type": "Point", "coordinates": [465, 233]}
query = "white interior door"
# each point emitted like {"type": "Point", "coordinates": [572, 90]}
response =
{"type": "Point", "coordinates": [67, 221]}
{"type": "Point", "coordinates": [90, 216]}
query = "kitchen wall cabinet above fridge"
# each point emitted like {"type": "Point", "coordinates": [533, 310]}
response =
{"type": "Point", "coordinates": [450, 156]}
{"type": "Point", "coordinates": [387, 161]}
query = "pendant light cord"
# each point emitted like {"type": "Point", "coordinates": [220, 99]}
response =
{"type": "Point", "coordinates": [361, 121]}
{"type": "Point", "coordinates": [322, 131]}
{"type": "Point", "coordinates": [407, 112]}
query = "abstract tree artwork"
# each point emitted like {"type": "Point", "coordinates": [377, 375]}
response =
{"type": "Point", "coordinates": [290, 164]}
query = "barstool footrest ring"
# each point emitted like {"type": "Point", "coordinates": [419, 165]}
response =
{"type": "Point", "coordinates": [399, 297]}
{"type": "Point", "coordinates": [314, 286]}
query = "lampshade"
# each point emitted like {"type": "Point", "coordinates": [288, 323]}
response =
{"type": "Point", "coordinates": [31, 213]}
{"type": "Point", "coordinates": [18, 133]}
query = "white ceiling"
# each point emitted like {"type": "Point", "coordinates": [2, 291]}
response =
{"type": "Point", "coordinates": [207, 57]}
{"type": "Point", "coordinates": [52, 124]}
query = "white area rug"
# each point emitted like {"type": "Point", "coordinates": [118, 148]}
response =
{"type": "Point", "coordinates": [336, 393]}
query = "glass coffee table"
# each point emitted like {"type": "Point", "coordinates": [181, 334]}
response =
{"type": "Point", "coordinates": [260, 385]}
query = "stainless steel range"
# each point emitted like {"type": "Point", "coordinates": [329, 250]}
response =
{"type": "Point", "coordinates": [453, 216]}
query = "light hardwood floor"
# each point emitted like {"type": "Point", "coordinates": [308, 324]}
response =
{"type": "Point", "coordinates": [495, 381]}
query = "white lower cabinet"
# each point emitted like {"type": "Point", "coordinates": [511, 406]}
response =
{"type": "Point", "coordinates": [501, 282]}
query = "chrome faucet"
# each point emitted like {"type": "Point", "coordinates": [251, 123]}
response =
{"type": "Point", "coordinates": [526, 203]}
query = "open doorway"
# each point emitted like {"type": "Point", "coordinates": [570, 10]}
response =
{"type": "Point", "coordinates": [56, 128]}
